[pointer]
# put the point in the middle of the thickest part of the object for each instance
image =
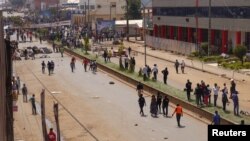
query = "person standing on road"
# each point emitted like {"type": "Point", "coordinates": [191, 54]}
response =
{"type": "Point", "coordinates": [52, 66]}
{"type": "Point", "coordinates": [165, 75]}
{"type": "Point", "coordinates": [232, 88]}
{"type": "Point", "coordinates": [51, 135]}
{"type": "Point", "coordinates": [145, 73]}
{"type": "Point", "coordinates": [216, 90]}
{"type": "Point", "coordinates": [165, 102]}
{"type": "Point", "coordinates": [153, 106]}
{"type": "Point", "coordinates": [85, 64]}
{"type": "Point", "coordinates": [129, 51]}
{"type": "Point", "coordinates": [49, 67]}
{"type": "Point", "coordinates": [179, 113]}
{"type": "Point", "coordinates": [224, 99]}
{"type": "Point", "coordinates": [43, 67]}
{"type": "Point", "coordinates": [198, 93]}
{"type": "Point", "coordinates": [183, 66]}
{"type": "Point", "coordinates": [33, 104]}
{"type": "Point", "coordinates": [142, 103]}
{"type": "Point", "coordinates": [177, 64]}
{"type": "Point", "coordinates": [40, 38]}
{"type": "Point", "coordinates": [216, 119]}
{"type": "Point", "coordinates": [188, 89]}
{"type": "Point", "coordinates": [54, 47]}
{"type": "Point", "coordinates": [61, 51]}
{"type": "Point", "coordinates": [235, 99]}
{"type": "Point", "coordinates": [25, 93]}
{"type": "Point", "coordinates": [72, 64]}
{"type": "Point", "coordinates": [159, 100]}
{"type": "Point", "coordinates": [155, 72]}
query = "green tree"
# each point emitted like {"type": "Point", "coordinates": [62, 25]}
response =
{"type": "Point", "coordinates": [134, 9]}
{"type": "Point", "coordinates": [86, 44]}
{"type": "Point", "coordinates": [240, 51]}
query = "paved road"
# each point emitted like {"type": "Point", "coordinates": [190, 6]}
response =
{"type": "Point", "coordinates": [110, 112]}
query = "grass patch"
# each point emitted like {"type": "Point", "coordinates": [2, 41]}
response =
{"type": "Point", "coordinates": [166, 88]}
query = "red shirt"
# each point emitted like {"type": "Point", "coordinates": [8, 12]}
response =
{"type": "Point", "coordinates": [52, 136]}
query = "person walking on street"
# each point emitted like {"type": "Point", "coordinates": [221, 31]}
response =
{"type": "Point", "coordinates": [155, 72]}
{"type": "Point", "coordinates": [25, 93]}
{"type": "Point", "coordinates": [139, 88]}
{"type": "Point", "coordinates": [216, 119]}
{"type": "Point", "coordinates": [129, 51]}
{"type": "Point", "coordinates": [165, 102]}
{"type": "Point", "coordinates": [188, 89]}
{"type": "Point", "coordinates": [51, 135]}
{"type": "Point", "coordinates": [85, 64]}
{"type": "Point", "coordinates": [43, 67]}
{"type": "Point", "coordinates": [142, 103]}
{"type": "Point", "coordinates": [235, 99]}
{"type": "Point", "coordinates": [177, 64]}
{"type": "Point", "coordinates": [179, 113]}
{"type": "Point", "coordinates": [72, 64]}
{"type": "Point", "coordinates": [153, 106]}
{"type": "Point", "coordinates": [182, 66]}
{"type": "Point", "coordinates": [159, 100]}
{"type": "Point", "coordinates": [165, 75]}
{"type": "Point", "coordinates": [33, 104]}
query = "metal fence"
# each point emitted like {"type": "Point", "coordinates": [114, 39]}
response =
{"type": "Point", "coordinates": [170, 45]}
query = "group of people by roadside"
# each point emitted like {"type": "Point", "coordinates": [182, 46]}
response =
{"type": "Point", "coordinates": [159, 105]}
{"type": "Point", "coordinates": [147, 71]}
{"type": "Point", "coordinates": [203, 93]}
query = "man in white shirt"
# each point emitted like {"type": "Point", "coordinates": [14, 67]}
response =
{"type": "Point", "coordinates": [216, 90]}
{"type": "Point", "coordinates": [145, 73]}
{"type": "Point", "coordinates": [155, 72]}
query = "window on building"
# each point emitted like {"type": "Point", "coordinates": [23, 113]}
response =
{"type": "Point", "coordinates": [216, 12]}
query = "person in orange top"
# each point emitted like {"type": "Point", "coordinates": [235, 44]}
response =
{"type": "Point", "coordinates": [51, 135]}
{"type": "Point", "coordinates": [179, 114]}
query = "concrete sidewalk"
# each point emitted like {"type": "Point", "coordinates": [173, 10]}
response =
{"type": "Point", "coordinates": [138, 46]}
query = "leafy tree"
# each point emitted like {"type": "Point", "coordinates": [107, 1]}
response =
{"type": "Point", "coordinates": [240, 51]}
{"type": "Point", "coordinates": [86, 44]}
{"type": "Point", "coordinates": [134, 9]}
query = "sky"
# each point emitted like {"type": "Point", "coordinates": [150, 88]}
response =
{"type": "Point", "coordinates": [73, 1]}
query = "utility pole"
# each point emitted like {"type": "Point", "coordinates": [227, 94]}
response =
{"type": "Point", "coordinates": [88, 12]}
{"type": "Point", "coordinates": [209, 28]}
{"type": "Point", "coordinates": [9, 97]}
{"type": "Point", "coordinates": [110, 12]}
{"type": "Point", "coordinates": [57, 121]}
{"type": "Point", "coordinates": [85, 12]}
{"type": "Point", "coordinates": [44, 128]}
{"type": "Point", "coordinates": [127, 29]}
{"type": "Point", "coordinates": [196, 24]}
{"type": "Point", "coordinates": [144, 35]}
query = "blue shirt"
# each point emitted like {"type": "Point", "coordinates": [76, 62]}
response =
{"type": "Point", "coordinates": [216, 120]}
